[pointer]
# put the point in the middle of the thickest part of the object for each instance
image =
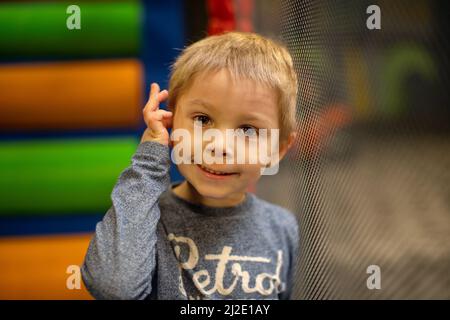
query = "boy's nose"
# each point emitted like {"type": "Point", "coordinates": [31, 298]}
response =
{"type": "Point", "coordinates": [225, 154]}
{"type": "Point", "coordinates": [221, 147]}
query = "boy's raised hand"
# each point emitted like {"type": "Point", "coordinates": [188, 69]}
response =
{"type": "Point", "coordinates": [158, 121]}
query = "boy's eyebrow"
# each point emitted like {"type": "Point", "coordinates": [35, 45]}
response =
{"type": "Point", "coordinates": [201, 103]}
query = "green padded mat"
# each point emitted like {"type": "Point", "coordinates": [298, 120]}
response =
{"type": "Point", "coordinates": [39, 30]}
{"type": "Point", "coordinates": [61, 176]}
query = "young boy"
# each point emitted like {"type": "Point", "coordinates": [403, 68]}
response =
{"type": "Point", "coordinates": [206, 237]}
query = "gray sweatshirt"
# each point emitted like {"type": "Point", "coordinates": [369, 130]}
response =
{"type": "Point", "coordinates": [152, 244]}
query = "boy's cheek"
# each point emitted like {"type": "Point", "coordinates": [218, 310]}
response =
{"type": "Point", "coordinates": [250, 172]}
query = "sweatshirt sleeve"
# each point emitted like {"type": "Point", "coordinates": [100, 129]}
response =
{"type": "Point", "coordinates": [121, 257]}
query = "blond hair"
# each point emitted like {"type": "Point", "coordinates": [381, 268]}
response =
{"type": "Point", "coordinates": [244, 55]}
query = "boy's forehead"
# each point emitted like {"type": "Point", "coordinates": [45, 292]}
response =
{"type": "Point", "coordinates": [208, 87]}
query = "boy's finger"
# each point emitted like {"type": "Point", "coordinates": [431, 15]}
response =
{"type": "Point", "coordinates": [163, 95]}
{"type": "Point", "coordinates": [166, 113]}
{"type": "Point", "coordinates": [159, 97]}
{"type": "Point", "coordinates": [154, 122]}
{"type": "Point", "coordinates": [154, 88]}
{"type": "Point", "coordinates": [156, 97]}
{"type": "Point", "coordinates": [162, 114]}
{"type": "Point", "coordinates": [167, 120]}
{"type": "Point", "coordinates": [153, 102]}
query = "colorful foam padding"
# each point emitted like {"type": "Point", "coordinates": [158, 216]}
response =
{"type": "Point", "coordinates": [70, 120]}
{"type": "Point", "coordinates": [61, 176]}
{"type": "Point", "coordinates": [55, 84]}
{"type": "Point", "coordinates": [71, 95]}
{"type": "Point", "coordinates": [37, 267]}
{"type": "Point", "coordinates": [32, 30]}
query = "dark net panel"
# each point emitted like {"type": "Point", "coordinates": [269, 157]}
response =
{"type": "Point", "coordinates": [369, 175]}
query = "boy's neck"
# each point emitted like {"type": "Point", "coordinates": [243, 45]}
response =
{"type": "Point", "coordinates": [186, 191]}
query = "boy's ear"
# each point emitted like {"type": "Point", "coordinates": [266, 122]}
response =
{"type": "Point", "coordinates": [286, 145]}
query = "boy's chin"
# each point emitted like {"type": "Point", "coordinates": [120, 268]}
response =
{"type": "Point", "coordinates": [214, 192]}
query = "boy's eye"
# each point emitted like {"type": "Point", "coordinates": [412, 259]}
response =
{"type": "Point", "coordinates": [202, 119]}
{"type": "Point", "coordinates": [248, 131]}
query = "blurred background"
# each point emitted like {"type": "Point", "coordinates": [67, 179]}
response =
{"type": "Point", "coordinates": [368, 177]}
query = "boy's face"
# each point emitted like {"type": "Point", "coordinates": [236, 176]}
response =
{"type": "Point", "coordinates": [216, 102]}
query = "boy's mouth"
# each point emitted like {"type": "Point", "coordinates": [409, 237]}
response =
{"type": "Point", "coordinates": [215, 172]}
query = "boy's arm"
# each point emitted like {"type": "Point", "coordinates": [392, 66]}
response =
{"type": "Point", "coordinates": [121, 257]}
